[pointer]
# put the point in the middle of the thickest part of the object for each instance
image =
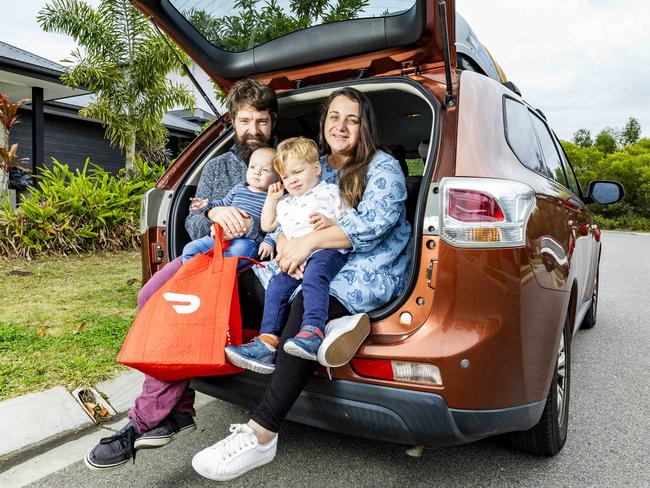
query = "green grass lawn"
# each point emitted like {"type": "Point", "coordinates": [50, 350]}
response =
{"type": "Point", "coordinates": [63, 320]}
{"type": "Point", "coordinates": [416, 166]}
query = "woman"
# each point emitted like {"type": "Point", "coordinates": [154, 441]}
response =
{"type": "Point", "coordinates": [377, 234]}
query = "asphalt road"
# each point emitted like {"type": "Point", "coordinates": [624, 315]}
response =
{"type": "Point", "coordinates": [609, 429]}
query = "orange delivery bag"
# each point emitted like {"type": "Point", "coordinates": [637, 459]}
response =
{"type": "Point", "coordinates": [183, 328]}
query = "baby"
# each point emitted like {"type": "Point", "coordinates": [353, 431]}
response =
{"type": "Point", "coordinates": [297, 162]}
{"type": "Point", "coordinates": [249, 197]}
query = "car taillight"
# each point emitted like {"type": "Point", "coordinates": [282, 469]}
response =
{"type": "Point", "coordinates": [473, 206]}
{"type": "Point", "coordinates": [485, 212]}
{"type": "Point", "coordinates": [398, 370]}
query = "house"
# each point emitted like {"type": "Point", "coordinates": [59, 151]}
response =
{"type": "Point", "coordinates": [50, 126]}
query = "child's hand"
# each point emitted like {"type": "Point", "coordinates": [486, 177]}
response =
{"type": "Point", "coordinates": [319, 221]}
{"type": "Point", "coordinates": [265, 251]}
{"type": "Point", "coordinates": [198, 203]}
{"type": "Point", "coordinates": [212, 231]}
{"type": "Point", "coordinates": [275, 191]}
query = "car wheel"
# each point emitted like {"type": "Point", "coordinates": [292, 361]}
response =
{"type": "Point", "coordinates": [549, 435]}
{"type": "Point", "coordinates": [590, 318]}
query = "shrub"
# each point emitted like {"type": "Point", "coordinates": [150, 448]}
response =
{"type": "Point", "coordinates": [630, 166]}
{"type": "Point", "coordinates": [627, 221]}
{"type": "Point", "coordinates": [75, 211]}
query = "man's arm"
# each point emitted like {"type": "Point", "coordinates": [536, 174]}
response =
{"type": "Point", "coordinates": [219, 175]}
{"type": "Point", "coordinates": [196, 223]}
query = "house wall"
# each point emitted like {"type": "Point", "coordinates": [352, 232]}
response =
{"type": "Point", "coordinates": [68, 140]}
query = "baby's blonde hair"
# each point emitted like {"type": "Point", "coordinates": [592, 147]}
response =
{"type": "Point", "coordinates": [297, 147]}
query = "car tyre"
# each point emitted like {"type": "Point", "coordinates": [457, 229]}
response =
{"type": "Point", "coordinates": [549, 435]}
{"type": "Point", "coordinates": [590, 318]}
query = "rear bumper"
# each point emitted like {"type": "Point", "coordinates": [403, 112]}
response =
{"type": "Point", "coordinates": [378, 412]}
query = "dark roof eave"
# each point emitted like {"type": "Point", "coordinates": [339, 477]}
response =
{"type": "Point", "coordinates": [31, 70]}
{"type": "Point", "coordinates": [64, 109]}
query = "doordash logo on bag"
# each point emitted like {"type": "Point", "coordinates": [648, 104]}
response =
{"type": "Point", "coordinates": [191, 303]}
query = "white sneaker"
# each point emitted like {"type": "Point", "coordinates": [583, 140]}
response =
{"type": "Point", "coordinates": [343, 337]}
{"type": "Point", "coordinates": [233, 456]}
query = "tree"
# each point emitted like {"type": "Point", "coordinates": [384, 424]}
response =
{"type": "Point", "coordinates": [630, 133]}
{"type": "Point", "coordinates": [257, 22]}
{"type": "Point", "coordinates": [584, 160]}
{"type": "Point", "coordinates": [125, 62]}
{"type": "Point", "coordinates": [582, 138]}
{"type": "Point", "coordinates": [606, 140]}
{"type": "Point", "coordinates": [631, 169]}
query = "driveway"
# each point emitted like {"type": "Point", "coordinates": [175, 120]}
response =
{"type": "Point", "coordinates": [609, 434]}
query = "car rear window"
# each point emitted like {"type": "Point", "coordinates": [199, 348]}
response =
{"type": "Point", "coordinates": [554, 168]}
{"type": "Point", "coordinates": [574, 185]}
{"type": "Point", "coordinates": [240, 25]}
{"type": "Point", "coordinates": [521, 136]}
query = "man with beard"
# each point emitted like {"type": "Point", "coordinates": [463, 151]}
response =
{"type": "Point", "coordinates": [165, 408]}
{"type": "Point", "coordinates": [253, 108]}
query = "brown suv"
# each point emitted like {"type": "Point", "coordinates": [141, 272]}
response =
{"type": "Point", "coordinates": [506, 253]}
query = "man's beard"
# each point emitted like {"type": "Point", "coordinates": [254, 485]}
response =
{"type": "Point", "coordinates": [244, 148]}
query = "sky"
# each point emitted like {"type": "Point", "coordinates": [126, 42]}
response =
{"type": "Point", "coordinates": [584, 63]}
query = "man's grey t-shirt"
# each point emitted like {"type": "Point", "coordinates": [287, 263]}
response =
{"type": "Point", "coordinates": [219, 176]}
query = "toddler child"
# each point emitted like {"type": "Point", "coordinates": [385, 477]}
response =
{"type": "Point", "coordinates": [249, 197]}
{"type": "Point", "coordinates": [296, 160]}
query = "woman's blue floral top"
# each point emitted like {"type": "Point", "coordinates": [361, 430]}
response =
{"type": "Point", "coordinates": [379, 232]}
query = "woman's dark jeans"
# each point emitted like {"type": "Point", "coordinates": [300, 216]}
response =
{"type": "Point", "coordinates": [159, 398]}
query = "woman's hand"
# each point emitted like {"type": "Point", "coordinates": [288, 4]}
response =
{"type": "Point", "coordinates": [280, 243]}
{"type": "Point", "coordinates": [234, 222]}
{"type": "Point", "coordinates": [320, 221]}
{"type": "Point", "coordinates": [299, 274]}
{"type": "Point", "coordinates": [291, 257]}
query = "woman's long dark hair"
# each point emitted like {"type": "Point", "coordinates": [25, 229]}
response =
{"type": "Point", "coordinates": [352, 177]}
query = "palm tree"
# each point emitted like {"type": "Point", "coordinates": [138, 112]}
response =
{"type": "Point", "coordinates": [125, 62]}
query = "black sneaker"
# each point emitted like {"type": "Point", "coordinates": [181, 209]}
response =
{"type": "Point", "coordinates": [114, 451]}
{"type": "Point", "coordinates": [162, 435]}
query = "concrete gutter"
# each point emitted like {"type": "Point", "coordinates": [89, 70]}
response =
{"type": "Point", "coordinates": [45, 432]}
{"type": "Point", "coordinates": [35, 420]}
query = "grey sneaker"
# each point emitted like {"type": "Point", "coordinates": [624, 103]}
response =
{"type": "Point", "coordinates": [343, 337]}
{"type": "Point", "coordinates": [163, 434]}
{"type": "Point", "coordinates": [114, 451]}
{"type": "Point", "coordinates": [256, 356]}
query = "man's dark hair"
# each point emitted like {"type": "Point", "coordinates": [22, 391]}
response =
{"type": "Point", "coordinates": [252, 92]}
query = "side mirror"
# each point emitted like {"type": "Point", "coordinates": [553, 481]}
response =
{"type": "Point", "coordinates": [604, 192]}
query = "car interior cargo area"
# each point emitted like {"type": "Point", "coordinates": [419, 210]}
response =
{"type": "Point", "coordinates": [406, 125]}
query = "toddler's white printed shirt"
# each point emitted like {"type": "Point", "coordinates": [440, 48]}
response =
{"type": "Point", "coordinates": [292, 212]}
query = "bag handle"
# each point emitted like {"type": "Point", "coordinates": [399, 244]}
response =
{"type": "Point", "coordinates": [217, 254]}
{"type": "Point", "coordinates": [219, 247]}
